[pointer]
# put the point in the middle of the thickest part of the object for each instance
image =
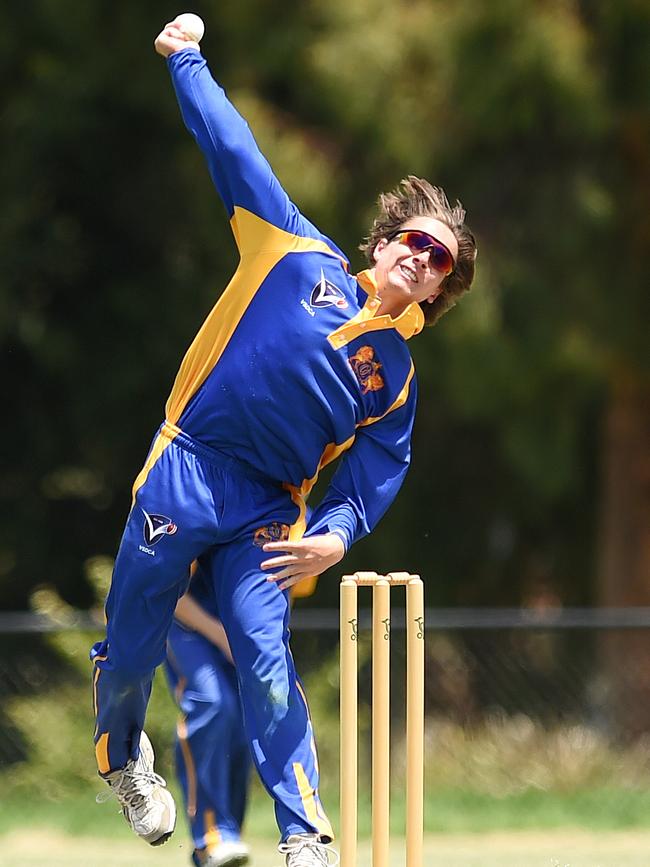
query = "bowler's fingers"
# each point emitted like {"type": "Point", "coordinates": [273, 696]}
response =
{"type": "Point", "coordinates": [289, 572]}
{"type": "Point", "coordinates": [290, 554]}
{"type": "Point", "coordinates": [292, 547]}
{"type": "Point", "coordinates": [172, 38]}
{"type": "Point", "coordinates": [290, 582]}
{"type": "Point", "coordinates": [294, 563]}
{"type": "Point", "coordinates": [274, 562]}
{"type": "Point", "coordinates": [293, 568]}
{"type": "Point", "coordinates": [172, 31]}
{"type": "Point", "coordinates": [288, 577]}
{"type": "Point", "coordinates": [176, 30]}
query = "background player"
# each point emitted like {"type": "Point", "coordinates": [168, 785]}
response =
{"type": "Point", "coordinates": [212, 756]}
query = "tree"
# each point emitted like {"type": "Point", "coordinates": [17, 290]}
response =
{"type": "Point", "coordinates": [534, 113]}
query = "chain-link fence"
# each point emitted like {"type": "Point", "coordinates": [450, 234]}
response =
{"type": "Point", "coordinates": [516, 700]}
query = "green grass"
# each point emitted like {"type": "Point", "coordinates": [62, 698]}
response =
{"type": "Point", "coordinates": [446, 812]}
{"type": "Point", "coordinates": [514, 849]}
{"type": "Point", "coordinates": [596, 810]}
{"type": "Point", "coordinates": [507, 774]}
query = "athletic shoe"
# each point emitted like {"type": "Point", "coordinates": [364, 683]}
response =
{"type": "Point", "coordinates": [232, 853]}
{"type": "Point", "coordinates": [146, 803]}
{"type": "Point", "coordinates": [306, 850]}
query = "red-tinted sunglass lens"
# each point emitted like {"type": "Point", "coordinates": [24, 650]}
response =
{"type": "Point", "coordinates": [441, 259]}
{"type": "Point", "coordinates": [439, 256]}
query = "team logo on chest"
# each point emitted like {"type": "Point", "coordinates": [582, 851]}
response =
{"type": "Point", "coordinates": [366, 369]}
{"type": "Point", "coordinates": [326, 294]}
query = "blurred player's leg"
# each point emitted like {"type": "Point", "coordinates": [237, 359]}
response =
{"type": "Point", "coordinates": [205, 687]}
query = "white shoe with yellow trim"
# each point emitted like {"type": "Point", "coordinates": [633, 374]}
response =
{"type": "Point", "coordinates": [306, 850]}
{"type": "Point", "coordinates": [146, 803]}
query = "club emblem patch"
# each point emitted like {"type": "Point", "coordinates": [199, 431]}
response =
{"type": "Point", "coordinates": [366, 369]}
{"type": "Point", "coordinates": [274, 532]}
{"type": "Point", "coordinates": [157, 526]}
{"type": "Point", "coordinates": [326, 294]}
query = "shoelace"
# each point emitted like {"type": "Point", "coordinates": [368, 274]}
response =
{"type": "Point", "coordinates": [133, 788]}
{"type": "Point", "coordinates": [301, 853]}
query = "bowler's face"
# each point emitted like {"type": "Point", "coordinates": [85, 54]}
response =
{"type": "Point", "coordinates": [405, 277]}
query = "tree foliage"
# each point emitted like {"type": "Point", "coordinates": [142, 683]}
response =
{"type": "Point", "coordinates": [114, 247]}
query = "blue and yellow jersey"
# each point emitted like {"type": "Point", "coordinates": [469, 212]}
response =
{"type": "Point", "coordinates": [292, 367]}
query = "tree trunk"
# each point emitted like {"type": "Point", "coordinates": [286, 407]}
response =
{"type": "Point", "coordinates": [624, 569]}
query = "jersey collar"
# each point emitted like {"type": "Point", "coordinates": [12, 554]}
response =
{"type": "Point", "coordinates": [408, 323]}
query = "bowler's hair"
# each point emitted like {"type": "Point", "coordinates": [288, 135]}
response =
{"type": "Point", "coordinates": [416, 197]}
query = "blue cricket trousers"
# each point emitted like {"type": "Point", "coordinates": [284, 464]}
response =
{"type": "Point", "coordinates": [194, 503]}
{"type": "Point", "coordinates": [212, 756]}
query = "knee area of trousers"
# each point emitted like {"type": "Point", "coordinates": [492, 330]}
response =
{"type": "Point", "coordinates": [202, 708]}
{"type": "Point", "coordinates": [273, 693]}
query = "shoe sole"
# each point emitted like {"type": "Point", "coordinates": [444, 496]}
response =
{"type": "Point", "coordinates": [161, 840]}
{"type": "Point", "coordinates": [165, 837]}
{"type": "Point", "coordinates": [236, 861]}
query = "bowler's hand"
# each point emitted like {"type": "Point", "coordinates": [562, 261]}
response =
{"type": "Point", "coordinates": [172, 39]}
{"type": "Point", "coordinates": [303, 558]}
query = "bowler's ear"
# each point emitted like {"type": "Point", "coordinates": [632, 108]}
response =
{"type": "Point", "coordinates": [435, 294]}
{"type": "Point", "coordinates": [380, 245]}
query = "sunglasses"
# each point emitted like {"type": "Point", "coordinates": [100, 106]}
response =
{"type": "Point", "coordinates": [418, 241]}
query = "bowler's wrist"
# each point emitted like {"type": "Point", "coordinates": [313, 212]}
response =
{"type": "Point", "coordinates": [341, 534]}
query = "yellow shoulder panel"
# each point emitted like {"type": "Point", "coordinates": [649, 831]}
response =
{"type": "Point", "coordinates": [261, 245]}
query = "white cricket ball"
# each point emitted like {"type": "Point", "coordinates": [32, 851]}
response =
{"type": "Point", "coordinates": [191, 25]}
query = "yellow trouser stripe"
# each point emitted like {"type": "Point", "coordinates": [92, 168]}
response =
{"type": "Point", "coordinates": [190, 768]}
{"type": "Point", "coordinates": [212, 833]}
{"type": "Point", "coordinates": [309, 802]}
{"type": "Point", "coordinates": [101, 754]}
{"type": "Point", "coordinates": [161, 442]}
